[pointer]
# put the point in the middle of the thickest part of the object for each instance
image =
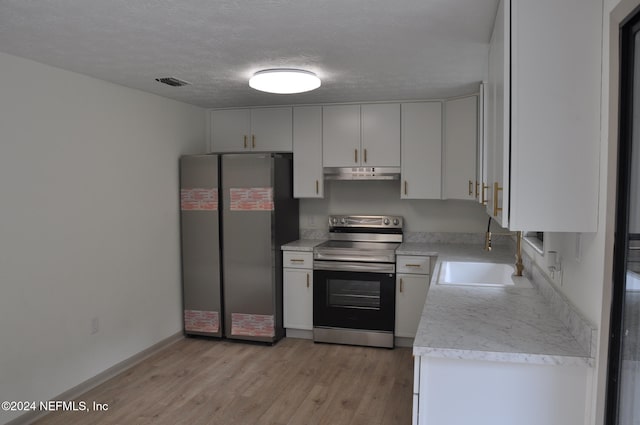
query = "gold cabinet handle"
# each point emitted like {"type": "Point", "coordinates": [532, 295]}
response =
{"type": "Point", "coordinates": [470, 188]}
{"type": "Point", "coordinates": [317, 187]}
{"type": "Point", "coordinates": [297, 260]}
{"type": "Point", "coordinates": [496, 189]}
{"type": "Point", "coordinates": [401, 284]}
{"type": "Point", "coordinates": [405, 187]}
{"type": "Point", "coordinates": [412, 265]}
{"type": "Point", "coordinates": [365, 156]}
{"type": "Point", "coordinates": [355, 155]}
{"type": "Point", "coordinates": [253, 141]}
{"type": "Point", "coordinates": [245, 141]}
{"type": "Point", "coordinates": [484, 191]}
{"type": "Point", "coordinates": [307, 280]}
{"type": "Point", "coordinates": [477, 185]}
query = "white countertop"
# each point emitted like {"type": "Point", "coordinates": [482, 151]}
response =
{"type": "Point", "coordinates": [302, 245]}
{"type": "Point", "coordinates": [490, 323]}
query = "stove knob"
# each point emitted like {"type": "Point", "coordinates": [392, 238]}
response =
{"type": "Point", "coordinates": [334, 221]}
{"type": "Point", "coordinates": [386, 221]}
{"type": "Point", "coordinates": [343, 220]}
{"type": "Point", "coordinates": [396, 221]}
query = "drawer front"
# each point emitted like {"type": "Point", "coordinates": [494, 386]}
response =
{"type": "Point", "coordinates": [297, 260]}
{"type": "Point", "coordinates": [413, 264]}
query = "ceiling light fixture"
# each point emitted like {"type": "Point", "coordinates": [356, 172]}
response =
{"type": "Point", "coordinates": [284, 81]}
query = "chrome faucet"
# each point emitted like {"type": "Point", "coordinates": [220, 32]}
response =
{"type": "Point", "coordinates": [518, 234]}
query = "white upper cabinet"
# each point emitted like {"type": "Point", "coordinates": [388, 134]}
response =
{"type": "Point", "coordinates": [307, 152]}
{"type": "Point", "coordinates": [421, 150]}
{"type": "Point", "coordinates": [543, 114]}
{"type": "Point", "coordinates": [380, 135]}
{"type": "Point", "coordinates": [497, 120]}
{"type": "Point", "coordinates": [257, 130]}
{"type": "Point", "coordinates": [230, 130]}
{"type": "Point", "coordinates": [341, 136]}
{"type": "Point", "coordinates": [361, 135]}
{"type": "Point", "coordinates": [271, 130]}
{"type": "Point", "coordinates": [460, 140]}
{"type": "Point", "coordinates": [481, 165]}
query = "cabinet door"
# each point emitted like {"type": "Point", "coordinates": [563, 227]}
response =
{"type": "Point", "coordinates": [230, 130]}
{"type": "Point", "coordinates": [271, 130]}
{"type": "Point", "coordinates": [298, 298]}
{"type": "Point", "coordinates": [307, 152]}
{"type": "Point", "coordinates": [341, 136]}
{"type": "Point", "coordinates": [555, 115]}
{"type": "Point", "coordinates": [411, 294]}
{"type": "Point", "coordinates": [499, 141]}
{"type": "Point", "coordinates": [481, 166]}
{"type": "Point", "coordinates": [380, 135]}
{"type": "Point", "coordinates": [421, 149]}
{"type": "Point", "coordinates": [460, 140]}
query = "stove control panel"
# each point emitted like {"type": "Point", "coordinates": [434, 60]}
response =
{"type": "Point", "coordinates": [367, 221]}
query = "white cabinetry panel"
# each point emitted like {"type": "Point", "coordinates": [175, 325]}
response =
{"type": "Point", "coordinates": [307, 152]}
{"type": "Point", "coordinates": [460, 140]}
{"type": "Point", "coordinates": [421, 150]}
{"type": "Point", "coordinates": [380, 135]}
{"type": "Point", "coordinates": [341, 136]}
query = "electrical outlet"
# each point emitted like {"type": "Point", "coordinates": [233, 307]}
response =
{"type": "Point", "coordinates": [95, 326]}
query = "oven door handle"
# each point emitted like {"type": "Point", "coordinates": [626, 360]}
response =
{"type": "Point", "coordinates": [350, 257]}
{"type": "Point", "coordinates": [346, 266]}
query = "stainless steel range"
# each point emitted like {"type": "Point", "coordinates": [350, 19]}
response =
{"type": "Point", "coordinates": [354, 277]}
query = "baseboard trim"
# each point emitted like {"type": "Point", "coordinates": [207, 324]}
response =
{"type": "Point", "coordinates": [299, 333]}
{"type": "Point", "coordinates": [89, 384]}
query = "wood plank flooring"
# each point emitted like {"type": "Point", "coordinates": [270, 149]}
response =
{"type": "Point", "coordinates": [201, 381]}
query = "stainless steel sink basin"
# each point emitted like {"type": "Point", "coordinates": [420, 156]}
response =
{"type": "Point", "coordinates": [480, 274]}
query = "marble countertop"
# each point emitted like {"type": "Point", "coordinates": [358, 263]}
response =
{"type": "Point", "coordinates": [490, 323]}
{"type": "Point", "coordinates": [302, 245]}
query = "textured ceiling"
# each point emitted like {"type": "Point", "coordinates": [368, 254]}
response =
{"type": "Point", "coordinates": [363, 50]}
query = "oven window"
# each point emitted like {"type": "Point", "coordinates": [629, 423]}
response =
{"type": "Point", "coordinates": [362, 294]}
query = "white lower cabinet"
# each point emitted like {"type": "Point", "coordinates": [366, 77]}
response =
{"type": "Point", "coordinates": [298, 298]}
{"type": "Point", "coordinates": [462, 392]}
{"type": "Point", "coordinates": [412, 284]}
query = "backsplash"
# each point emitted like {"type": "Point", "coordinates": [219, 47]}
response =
{"type": "Point", "coordinates": [383, 198]}
{"type": "Point", "coordinates": [426, 237]}
{"type": "Point", "coordinates": [585, 333]}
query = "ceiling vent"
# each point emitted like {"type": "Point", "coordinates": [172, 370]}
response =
{"type": "Point", "coordinates": [172, 81]}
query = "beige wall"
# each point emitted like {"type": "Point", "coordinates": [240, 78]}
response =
{"type": "Point", "coordinates": [88, 225]}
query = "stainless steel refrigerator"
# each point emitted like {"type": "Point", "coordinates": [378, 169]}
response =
{"type": "Point", "coordinates": [257, 215]}
{"type": "Point", "coordinates": [200, 240]}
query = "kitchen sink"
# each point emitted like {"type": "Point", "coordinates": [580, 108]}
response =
{"type": "Point", "coordinates": [480, 274]}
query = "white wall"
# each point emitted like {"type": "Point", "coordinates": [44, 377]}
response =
{"type": "Point", "coordinates": [383, 197]}
{"type": "Point", "coordinates": [88, 224]}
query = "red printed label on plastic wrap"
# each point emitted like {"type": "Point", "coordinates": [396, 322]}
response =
{"type": "Point", "coordinates": [199, 199]}
{"type": "Point", "coordinates": [251, 199]}
{"type": "Point", "coordinates": [252, 325]}
{"type": "Point", "coordinates": [201, 321]}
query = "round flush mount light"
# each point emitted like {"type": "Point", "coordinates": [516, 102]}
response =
{"type": "Point", "coordinates": [284, 81]}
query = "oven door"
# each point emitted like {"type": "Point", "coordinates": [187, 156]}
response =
{"type": "Point", "coordinates": [345, 296]}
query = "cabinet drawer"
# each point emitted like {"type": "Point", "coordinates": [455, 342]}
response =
{"type": "Point", "coordinates": [413, 264]}
{"type": "Point", "coordinates": [298, 260]}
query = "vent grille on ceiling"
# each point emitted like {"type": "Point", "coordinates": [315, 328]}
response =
{"type": "Point", "coordinates": [172, 81]}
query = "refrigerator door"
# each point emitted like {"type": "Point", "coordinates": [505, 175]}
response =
{"type": "Point", "coordinates": [248, 256]}
{"type": "Point", "coordinates": [199, 220]}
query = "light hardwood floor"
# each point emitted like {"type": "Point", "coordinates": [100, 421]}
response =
{"type": "Point", "coordinates": [200, 381]}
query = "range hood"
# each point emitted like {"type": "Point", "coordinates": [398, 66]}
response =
{"type": "Point", "coordinates": [361, 173]}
